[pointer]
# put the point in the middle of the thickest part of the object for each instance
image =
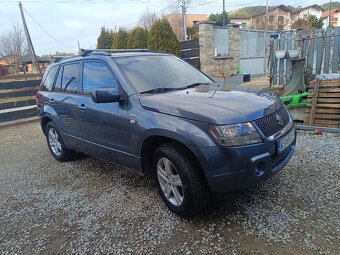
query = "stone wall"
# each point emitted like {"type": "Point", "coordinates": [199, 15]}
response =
{"type": "Point", "coordinates": [218, 66]}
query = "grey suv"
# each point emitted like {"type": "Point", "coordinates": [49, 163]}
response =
{"type": "Point", "coordinates": [161, 117]}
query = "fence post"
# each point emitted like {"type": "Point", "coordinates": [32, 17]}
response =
{"type": "Point", "coordinates": [304, 44]}
{"type": "Point", "coordinates": [310, 59]}
{"type": "Point", "coordinates": [319, 51]}
{"type": "Point", "coordinates": [275, 41]}
{"type": "Point", "coordinates": [288, 61]}
{"type": "Point", "coordinates": [281, 62]}
{"type": "Point", "coordinates": [336, 51]}
{"type": "Point", "coordinates": [327, 50]}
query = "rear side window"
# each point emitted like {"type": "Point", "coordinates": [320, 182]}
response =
{"type": "Point", "coordinates": [57, 86]}
{"type": "Point", "coordinates": [97, 75]}
{"type": "Point", "coordinates": [49, 79]}
{"type": "Point", "coordinates": [70, 78]}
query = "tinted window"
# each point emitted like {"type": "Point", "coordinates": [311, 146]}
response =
{"type": "Point", "coordinates": [151, 72]}
{"type": "Point", "coordinates": [57, 86]}
{"type": "Point", "coordinates": [97, 75]}
{"type": "Point", "coordinates": [70, 78]}
{"type": "Point", "coordinates": [49, 79]}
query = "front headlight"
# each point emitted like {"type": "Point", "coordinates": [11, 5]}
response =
{"type": "Point", "coordinates": [236, 134]}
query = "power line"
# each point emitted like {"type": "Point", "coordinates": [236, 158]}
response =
{"type": "Point", "coordinates": [62, 44]}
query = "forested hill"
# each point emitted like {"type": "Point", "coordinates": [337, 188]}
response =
{"type": "Point", "coordinates": [253, 10]}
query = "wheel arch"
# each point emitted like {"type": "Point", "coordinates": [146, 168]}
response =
{"type": "Point", "coordinates": [151, 143]}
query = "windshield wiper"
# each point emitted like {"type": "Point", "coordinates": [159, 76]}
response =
{"type": "Point", "coordinates": [158, 90]}
{"type": "Point", "coordinates": [196, 84]}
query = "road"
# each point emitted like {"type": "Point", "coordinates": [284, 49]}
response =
{"type": "Point", "coordinates": [90, 206]}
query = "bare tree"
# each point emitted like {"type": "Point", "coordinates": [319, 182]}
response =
{"type": "Point", "coordinates": [13, 45]}
{"type": "Point", "coordinates": [147, 19]}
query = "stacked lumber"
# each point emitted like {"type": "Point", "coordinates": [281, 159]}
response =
{"type": "Point", "coordinates": [323, 105]}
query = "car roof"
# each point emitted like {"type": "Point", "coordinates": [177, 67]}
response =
{"type": "Point", "coordinates": [99, 54]}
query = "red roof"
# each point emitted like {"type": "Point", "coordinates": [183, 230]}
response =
{"type": "Point", "coordinates": [326, 13]}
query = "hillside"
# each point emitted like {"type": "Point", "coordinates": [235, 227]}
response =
{"type": "Point", "coordinates": [335, 5]}
{"type": "Point", "coordinates": [253, 10]}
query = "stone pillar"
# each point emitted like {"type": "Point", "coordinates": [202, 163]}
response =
{"type": "Point", "coordinates": [206, 44]}
{"type": "Point", "coordinates": [218, 66]}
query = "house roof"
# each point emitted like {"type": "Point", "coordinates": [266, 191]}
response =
{"type": "Point", "coordinates": [315, 6]}
{"type": "Point", "coordinates": [282, 7]}
{"type": "Point", "coordinates": [325, 14]}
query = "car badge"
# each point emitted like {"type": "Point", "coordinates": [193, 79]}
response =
{"type": "Point", "coordinates": [279, 120]}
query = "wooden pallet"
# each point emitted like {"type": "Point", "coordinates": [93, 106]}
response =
{"type": "Point", "coordinates": [323, 106]}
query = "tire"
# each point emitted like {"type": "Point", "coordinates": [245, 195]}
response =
{"type": "Point", "coordinates": [56, 145]}
{"type": "Point", "coordinates": [179, 180]}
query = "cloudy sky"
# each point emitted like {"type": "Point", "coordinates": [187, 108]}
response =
{"type": "Point", "coordinates": [57, 25]}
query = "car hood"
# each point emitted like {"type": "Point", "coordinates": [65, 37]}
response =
{"type": "Point", "coordinates": [215, 107]}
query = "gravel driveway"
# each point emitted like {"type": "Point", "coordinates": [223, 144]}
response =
{"type": "Point", "coordinates": [89, 206]}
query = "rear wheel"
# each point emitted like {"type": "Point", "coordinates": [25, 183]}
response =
{"type": "Point", "coordinates": [179, 180]}
{"type": "Point", "coordinates": [56, 144]}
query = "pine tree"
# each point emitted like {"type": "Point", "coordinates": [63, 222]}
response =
{"type": "Point", "coordinates": [104, 40]}
{"type": "Point", "coordinates": [162, 38]}
{"type": "Point", "coordinates": [138, 38]}
{"type": "Point", "coordinates": [120, 39]}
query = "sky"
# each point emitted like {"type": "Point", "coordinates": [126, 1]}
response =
{"type": "Point", "coordinates": [57, 25]}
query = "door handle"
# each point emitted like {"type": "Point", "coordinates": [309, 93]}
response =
{"type": "Point", "coordinates": [82, 106]}
{"type": "Point", "coordinates": [51, 100]}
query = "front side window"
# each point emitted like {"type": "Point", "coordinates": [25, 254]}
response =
{"type": "Point", "coordinates": [70, 78]}
{"type": "Point", "coordinates": [159, 71]}
{"type": "Point", "coordinates": [97, 75]}
{"type": "Point", "coordinates": [49, 79]}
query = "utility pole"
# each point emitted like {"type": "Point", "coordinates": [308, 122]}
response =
{"type": "Point", "coordinates": [267, 15]}
{"type": "Point", "coordinates": [29, 41]}
{"type": "Point", "coordinates": [184, 24]}
{"type": "Point", "coordinates": [330, 13]}
{"type": "Point", "coordinates": [224, 16]}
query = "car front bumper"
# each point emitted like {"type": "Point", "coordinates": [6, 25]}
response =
{"type": "Point", "coordinates": [228, 169]}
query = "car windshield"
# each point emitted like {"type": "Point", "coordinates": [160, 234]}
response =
{"type": "Point", "coordinates": [160, 73]}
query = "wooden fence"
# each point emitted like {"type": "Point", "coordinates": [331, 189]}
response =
{"type": "Point", "coordinates": [319, 48]}
{"type": "Point", "coordinates": [190, 52]}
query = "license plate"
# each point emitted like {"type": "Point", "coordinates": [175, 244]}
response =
{"type": "Point", "coordinates": [286, 141]}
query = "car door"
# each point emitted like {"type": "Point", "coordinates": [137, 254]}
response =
{"type": "Point", "coordinates": [105, 126]}
{"type": "Point", "coordinates": [64, 99]}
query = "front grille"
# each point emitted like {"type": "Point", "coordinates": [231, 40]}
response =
{"type": "Point", "coordinates": [269, 124]}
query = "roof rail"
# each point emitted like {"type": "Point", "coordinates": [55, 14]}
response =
{"type": "Point", "coordinates": [85, 52]}
{"type": "Point", "coordinates": [56, 59]}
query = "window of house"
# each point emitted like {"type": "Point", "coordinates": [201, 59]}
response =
{"type": "Point", "coordinates": [48, 81]}
{"type": "Point", "coordinates": [97, 75]}
{"type": "Point", "coordinates": [271, 18]}
{"type": "Point", "coordinates": [70, 78]}
{"type": "Point", "coordinates": [280, 19]}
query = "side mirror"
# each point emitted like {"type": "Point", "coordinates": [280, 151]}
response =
{"type": "Point", "coordinates": [105, 95]}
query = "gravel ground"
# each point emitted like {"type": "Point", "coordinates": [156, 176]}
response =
{"type": "Point", "coordinates": [89, 206]}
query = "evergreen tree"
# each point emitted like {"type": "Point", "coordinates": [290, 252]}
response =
{"type": "Point", "coordinates": [218, 18]}
{"type": "Point", "coordinates": [162, 38]}
{"type": "Point", "coordinates": [120, 39]}
{"type": "Point", "coordinates": [138, 38]}
{"type": "Point", "coordinates": [104, 40]}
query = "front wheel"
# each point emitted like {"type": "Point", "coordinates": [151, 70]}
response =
{"type": "Point", "coordinates": [180, 181]}
{"type": "Point", "coordinates": [56, 144]}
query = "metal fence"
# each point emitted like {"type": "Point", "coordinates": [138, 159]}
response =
{"type": "Point", "coordinates": [254, 51]}
{"type": "Point", "coordinates": [221, 41]}
{"type": "Point", "coordinates": [319, 48]}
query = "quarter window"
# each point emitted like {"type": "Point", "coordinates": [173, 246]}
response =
{"type": "Point", "coordinates": [70, 78]}
{"type": "Point", "coordinates": [97, 75]}
{"type": "Point", "coordinates": [48, 82]}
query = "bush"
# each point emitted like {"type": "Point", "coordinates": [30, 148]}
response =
{"type": "Point", "coordinates": [162, 38]}
{"type": "Point", "coordinates": [138, 38]}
